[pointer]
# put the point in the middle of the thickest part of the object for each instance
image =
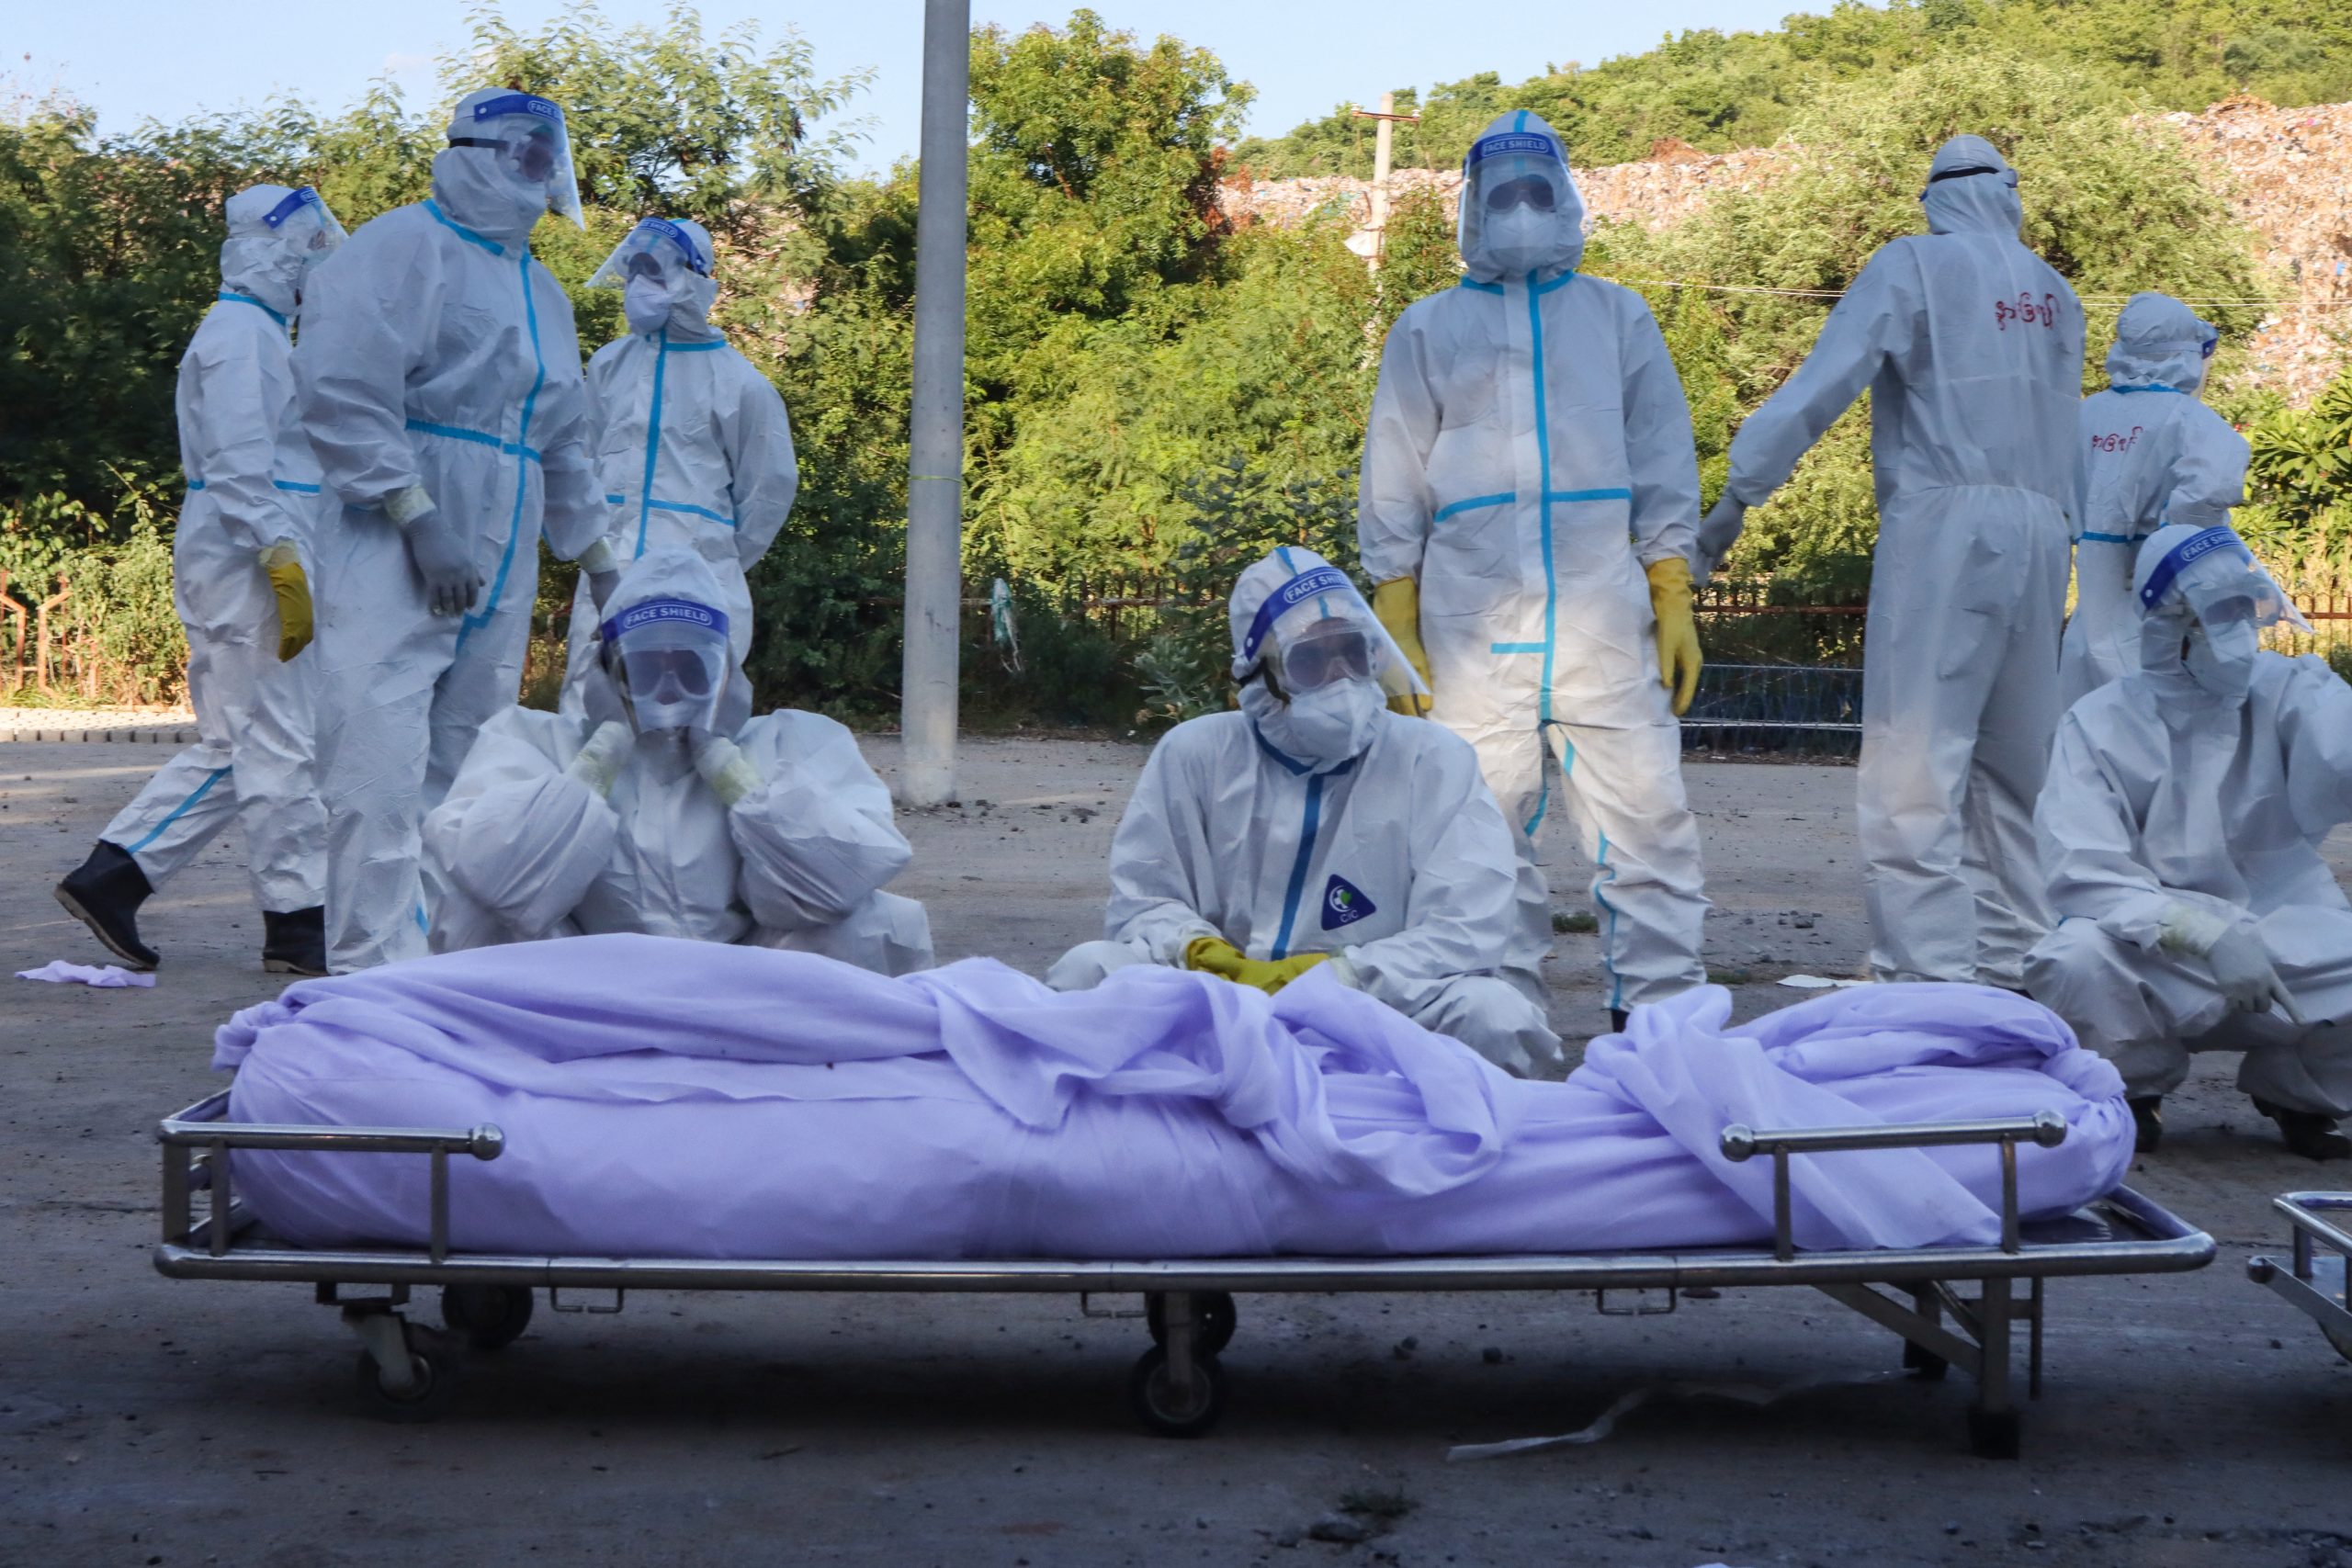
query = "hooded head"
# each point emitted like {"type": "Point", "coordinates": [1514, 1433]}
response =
{"type": "Point", "coordinates": [276, 234]}
{"type": "Point", "coordinates": [2160, 345]}
{"type": "Point", "coordinates": [1521, 214]}
{"type": "Point", "coordinates": [664, 270]}
{"type": "Point", "coordinates": [1971, 190]}
{"type": "Point", "coordinates": [508, 160]}
{"type": "Point", "coordinates": [2203, 603]}
{"type": "Point", "coordinates": [666, 664]}
{"type": "Point", "coordinates": [1315, 665]}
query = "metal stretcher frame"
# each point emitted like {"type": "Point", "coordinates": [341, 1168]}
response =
{"type": "Point", "coordinates": [2319, 1282]}
{"type": "Point", "coordinates": [1176, 1387]}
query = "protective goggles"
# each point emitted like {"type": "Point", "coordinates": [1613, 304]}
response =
{"type": "Point", "coordinates": [654, 249]}
{"type": "Point", "coordinates": [528, 134]}
{"type": "Point", "coordinates": [1324, 651]}
{"type": "Point", "coordinates": [673, 655]}
{"type": "Point", "coordinates": [305, 221]}
{"type": "Point", "coordinates": [1526, 190]}
{"type": "Point", "coordinates": [2214, 575]}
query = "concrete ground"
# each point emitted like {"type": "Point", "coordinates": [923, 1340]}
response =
{"type": "Point", "coordinates": [2190, 1420]}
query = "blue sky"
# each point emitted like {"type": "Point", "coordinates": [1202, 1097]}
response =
{"type": "Point", "coordinates": [168, 59]}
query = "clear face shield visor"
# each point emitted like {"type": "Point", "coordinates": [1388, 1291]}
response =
{"type": "Point", "coordinates": [1314, 631]}
{"type": "Point", "coordinates": [1511, 179]}
{"type": "Point", "coordinates": [526, 134]}
{"type": "Point", "coordinates": [657, 249]}
{"type": "Point", "coordinates": [2219, 585]}
{"type": "Point", "coordinates": [306, 226]}
{"type": "Point", "coordinates": [669, 657]}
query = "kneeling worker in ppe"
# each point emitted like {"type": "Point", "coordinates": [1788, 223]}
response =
{"type": "Point", "coordinates": [692, 446]}
{"type": "Point", "coordinates": [438, 378]}
{"type": "Point", "coordinates": [238, 586]}
{"type": "Point", "coordinates": [1315, 827]}
{"type": "Point", "coordinates": [2180, 833]}
{"type": "Point", "coordinates": [1527, 510]}
{"type": "Point", "coordinates": [2153, 453]}
{"type": "Point", "coordinates": [1970, 347]}
{"type": "Point", "coordinates": [667, 810]}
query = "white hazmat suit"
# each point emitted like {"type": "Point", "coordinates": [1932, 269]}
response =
{"type": "Point", "coordinates": [2152, 454]}
{"type": "Point", "coordinates": [1971, 350]}
{"type": "Point", "coordinates": [439, 377]}
{"type": "Point", "coordinates": [1326, 825]}
{"type": "Point", "coordinates": [1529, 454]}
{"type": "Point", "coordinates": [252, 490]}
{"type": "Point", "coordinates": [771, 831]}
{"type": "Point", "coordinates": [691, 444]}
{"type": "Point", "coordinates": [2180, 833]}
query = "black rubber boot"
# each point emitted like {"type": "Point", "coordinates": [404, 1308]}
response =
{"type": "Point", "coordinates": [1617, 1019]}
{"type": "Point", "coordinates": [2308, 1132]}
{"type": "Point", "coordinates": [2147, 1123]}
{"type": "Point", "coordinates": [294, 942]}
{"type": "Point", "coordinates": [104, 893]}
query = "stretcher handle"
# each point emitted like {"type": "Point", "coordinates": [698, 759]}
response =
{"type": "Point", "coordinates": [1739, 1143]}
{"type": "Point", "coordinates": [2303, 1210]}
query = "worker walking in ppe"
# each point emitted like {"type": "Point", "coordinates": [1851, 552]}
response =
{"type": "Point", "coordinates": [1527, 509]}
{"type": "Point", "coordinates": [2180, 833]}
{"type": "Point", "coordinates": [691, 444]}
{"type": "Point", "coordinates": [439, 378]}
{"type": "Point", "coordinates": [239, 584]}
{"type": "Point", "coordinates": [2153, 453]}
{"type": "Point", "coordinates": [1971, 350]}
{"type": "Point", "coordinates": [667, 809]}
{"type": "Point", "coordinates": [1315, 828]}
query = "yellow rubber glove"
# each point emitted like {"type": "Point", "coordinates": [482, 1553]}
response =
{"type": "Point", "coordinates": [1214, 955]}
{"type": "Point", "coordinates": [1678, 634]}
{"type": "Point", "coordinates": [293, 591]}
{"type": "Point", "coordinates": [1397, 604]}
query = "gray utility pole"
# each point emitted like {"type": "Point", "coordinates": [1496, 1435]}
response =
{"type": "Point", "coordinates": [1387, 118]}
{"type": "Point", "coordinates": [935, 455]}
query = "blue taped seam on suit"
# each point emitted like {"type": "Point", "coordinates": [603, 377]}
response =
{"type": "Point", "coordinates": [1543, 462]}
{"type": "Point", "coordinates": [492, 246]}
{"type": "Point", "coordinates": [198, 793]}
{"type": "Point", "coordinates": [1474, 503]}
{"type": "Point", "coordinates": [522, 475]}
{"type": "Point", "coordinates": [234, 298]}
{"type": "Point", "coordinates": [652, 438]}
{"type": "Point", "coordinates": [477, 437]}
{"type": "Point", "coordinates": [1298, 867]}
{"type": "Point", "coordinates": [690, 508]}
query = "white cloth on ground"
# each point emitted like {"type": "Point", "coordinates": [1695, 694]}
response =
{"type": "Point", "coordinates": [694, 1100]}
{"type": "Point", "coordinates": [111, 976]}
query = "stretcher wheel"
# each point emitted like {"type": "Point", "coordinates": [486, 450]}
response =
{"type": "Point", "coordinates": [1923, 1363]}
{"type": "Point", "coordinates": [436, 1370]}
{"type": "Point", "coordinates": [491, 1316]}
{"type": "Point", "coordinates": [1218, 1318]}
{"type": "Point", "coordinates": [1155, 1403]}
{"type": "Point", "coordinates": [1993, 1434]}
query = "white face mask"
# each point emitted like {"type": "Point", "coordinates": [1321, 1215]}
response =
{"type": "Point", "coordinates": [646, 303]}
{"type": "Point", "coordinates": [2220, 659]}
{"type": "Point", "coordinates": [1522, 239]}
{"type": "Point", "coordinates": [1328, 725]}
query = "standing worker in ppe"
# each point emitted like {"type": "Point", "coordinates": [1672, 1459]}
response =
{"type": "Point", "coordinates": [238, 583]}
{"type": "Point", "coordinates": [1529, 464]}
{"type": "Point", "coordinates": [1972, 349]}
{"type": "Point", "coordinates": [691, 444]}
{"type": "Point", "coordinates": [439, 378]}
{"type": "Point", "coordinates": [667, 810]}
{"type": "Point", "coordinates": [1314, 827]}
{"type": "Point", "coordinates": [2152, 454]}
{"type": "Point", "coordinates": [2181, 833]}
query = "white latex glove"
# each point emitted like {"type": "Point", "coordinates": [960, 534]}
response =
{"type": "Point", "coordinates": [1719, 530]}
{"type": "Point", "coordinates": [600, 761]}
{"type": "Point", "coordinates": [724, 768]}
{"type": "Point", "coordinates": [603, 569]}
{"type": "Point", "coordinates": [2243, 969]}
{"type": "Point", "coordinates": [441, 558]}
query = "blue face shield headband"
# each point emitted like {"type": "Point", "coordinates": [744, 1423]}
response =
{"type": "Point", "coordinates": [1289, 596]}
{"type": "Point", "coordinates": [2185, 554]}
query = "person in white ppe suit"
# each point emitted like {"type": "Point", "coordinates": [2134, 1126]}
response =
{"type": "Point", "coordinates": [439, 378]}
{"type": "Point", "coordinates": [245, 599]}
{"type": "Point", "coordinates": [692, 446]}
{"type": "Point", "coordinates": [1971, 350]}
{"type": "Point", "coordinates": [1314, 826]}
{"type": "Point", "coordinates": [2180, 833]}
{"type": "Point", "coordinates": [1527, 513]}
{"type": "Point", "coordinates": [2153, 453]}
{"type": "Point", "coordinates": [668, 810]}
